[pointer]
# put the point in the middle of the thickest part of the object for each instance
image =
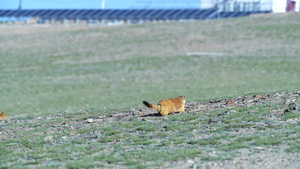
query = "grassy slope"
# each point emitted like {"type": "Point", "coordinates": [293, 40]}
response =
{"type": "Point", "coordinates": [47, 69]}
{"type": "Point", "coordinates": [252, 133]}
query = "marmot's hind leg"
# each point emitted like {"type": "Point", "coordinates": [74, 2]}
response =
{"type": "Point", "coordinates": [164, 111]}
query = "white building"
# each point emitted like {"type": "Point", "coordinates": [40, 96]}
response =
{"type": "Point", "coordinates": [252, 5]}
{"type": "Point", "coordinates": [281, 5]}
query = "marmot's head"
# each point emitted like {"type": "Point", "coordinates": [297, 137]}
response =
{"type": "Point", "coordinates": [182, 97]}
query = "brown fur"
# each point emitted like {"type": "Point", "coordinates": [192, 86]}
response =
{"type": "Point", "coordinates": [167, 106]}
{"type": "Point", "coordinates": [2, 115]}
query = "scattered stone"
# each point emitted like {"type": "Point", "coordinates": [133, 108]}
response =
{"type": "Point", "coordinates": [250, 100]}
{"type": "Point", "coordinates": [260, 125]}
{"type": "Point", "coordinates": [48, 138]}
{"type": "Point", "coordinates": [189, 161]}
{"type": "Point", "coordinates": [230, 101]}
{"type": "Point", "coordinates": [66, 123]}
{"type": "Point", "coordinates": [64, 137]}
{"type": "Point", "coordinates": [90, 120]}
{"type": "Point", "coordinates": [47, 132]}
{"type": "Point", "coordinates": [281, 112]}
{"type": "Point", "coordinates": [99, 120]}
{"type": "Point", "coordinates": [134, 113]}
{"type": "Point", "coordinates": [232, 111]}
{"type": "Point", "coordinates": [258, 148]}
{"type": "Point", "coordinates": [227, 112]}
{"type": "Point", "coordinates": [297, 106]}
{"type": "Point", "coordinates": [55, 125]}
{"type": "Point", "coordinates": [291, 121]}
{"type": "Point", "coordinates": [258, 97]}
{"type": "Point", "coordinates": [214, 120]}
{"type": "Point", "coordinates": [100, 117]}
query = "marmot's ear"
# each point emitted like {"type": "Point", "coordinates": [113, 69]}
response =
{"type": "Point", "coordinates": [182, 97]}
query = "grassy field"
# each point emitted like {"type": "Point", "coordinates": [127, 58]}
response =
{"type": "Point", "coordinates": [45, 69]}
{"type": "Point", "coordinates": [63, 75]}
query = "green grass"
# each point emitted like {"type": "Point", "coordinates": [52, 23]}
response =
{"type": "Point", "coordinates": [76, 73]}
{"type": "Point", "coordinates": [294, 147]}
{"type": "Point", "coordinates": [120, 143]}
{"type": "Point", "coordinates": [268, 141]}
{"type": "Point", "coordinates": [111, 68]}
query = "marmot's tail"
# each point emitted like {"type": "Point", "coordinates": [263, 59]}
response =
{"type": "Point", "coordinates": [151, 106]}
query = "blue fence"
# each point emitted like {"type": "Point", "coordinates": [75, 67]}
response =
{"type": "Point", "coordinates": [131, 14]}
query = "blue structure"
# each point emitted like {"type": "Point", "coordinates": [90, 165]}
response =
{"type": "Point", "coordinates": [129, 15]}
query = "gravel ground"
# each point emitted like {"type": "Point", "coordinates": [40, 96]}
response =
{"type": "Point", "coordinates": [258, 157]}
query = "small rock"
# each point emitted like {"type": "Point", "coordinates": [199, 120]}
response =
{"type": "Point", "coordinates": [260, 125]}
{"type": "Point", "coordinates": [258, 96]}
{"type": "Point", "coordinates": [214, 120]}
{"type": "Point", "coordinates": [189, 161]}
{"type": "Point", "coordinates": [253, 111]}
{"type": "Point", "coordinates": [291, 121]}
{"type": "Point", "coordinates": [64, 137]}
{"type": "Point", "coordinates": [232, 111]}
{"type": "Point", "coordinates": [133, 113]}
{"type": "Point", "coordinates": [55, 125]}
{"type": "Point", "coordinates": [48, 138]}
{"type": "Point", "coordinates": [258, 148]}
{"type": "Point", "coordinates": [100, 117]}
{"type": "Point", "coordinates": [90, 120]}
{"type": "Point", "coordinates": [250, 100]}
{"type": "Point", "coordinates": [73, 133]}
{"type": "Point", "coordinates": [99, 120]}
{"type": "Point", "coordinates": [297, 106]}
{"type": "Point", "coordinates": [47, 132]}
{"type": "Point", "coordinates": [281, 112]}
{"type": "Point", "coordinates": [66, 123]}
